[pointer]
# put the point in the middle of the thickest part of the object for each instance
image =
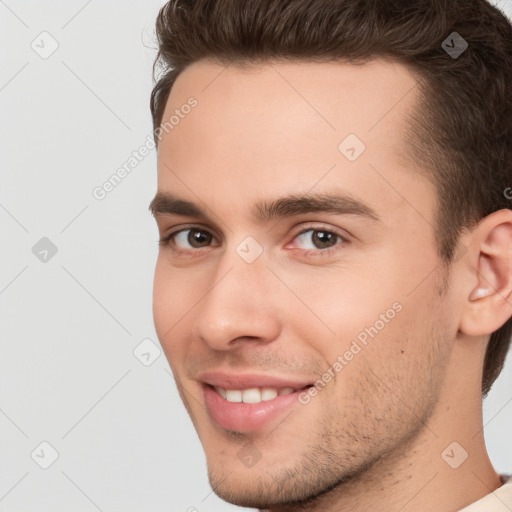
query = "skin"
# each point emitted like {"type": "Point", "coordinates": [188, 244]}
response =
{"type": "Point", "coordinates": [376, 433]}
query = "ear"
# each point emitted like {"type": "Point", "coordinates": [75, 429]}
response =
{"type": "Point", "coordinates": [488, 295]}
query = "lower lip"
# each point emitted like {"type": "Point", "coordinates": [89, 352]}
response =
{"type": "Point", "coordinates": [242, 417]}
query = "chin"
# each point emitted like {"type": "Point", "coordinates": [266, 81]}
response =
{"type": "Point", "coordinates": [247, 494]}
{"type": "Point", "coordinates": [257, 488]}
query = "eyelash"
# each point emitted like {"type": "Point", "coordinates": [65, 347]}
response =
{"type": "Point", "coordinates": [168, 242]}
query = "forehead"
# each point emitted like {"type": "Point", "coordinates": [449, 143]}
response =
{"type": "Point", "coordinates": [288, 127]}
{"type": "Point", "coordinates": [338, 96]}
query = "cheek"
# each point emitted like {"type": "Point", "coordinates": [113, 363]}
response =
{"type": "Point", "coordinates": [361, 321]}
{"type": "Point", "coordinates": [393, 378]}
{"type": "Point", "coordinates": [162, 298]}
{"type": "Point", "coordinates": [371, 298]}
{"type": "Point", "coordinates": [169, 304]}
{"type": "Point", "coordinates": [339, 305]}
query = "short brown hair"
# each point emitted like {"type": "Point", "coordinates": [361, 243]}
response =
{"type": "Point", "coordinates": [461, 132]}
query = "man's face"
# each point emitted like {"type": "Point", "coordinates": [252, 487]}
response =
{"type": "Point", "coordinates": [350, 299]}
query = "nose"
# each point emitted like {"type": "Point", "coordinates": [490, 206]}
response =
{"type": "Point", "coordinates": [239, 306]}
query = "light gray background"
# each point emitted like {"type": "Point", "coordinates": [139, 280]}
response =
{"type": "Point", "coordinates": [69, 326]}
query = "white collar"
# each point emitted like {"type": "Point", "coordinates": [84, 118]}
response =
{"type": "Point", "coordinates": [499, 500]}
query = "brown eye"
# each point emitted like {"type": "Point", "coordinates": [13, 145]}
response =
{"type": "Point", "coordinates": [187, 240]}
{"type": "Point", "coordinates": [319, 238]}
{"type": "Point", "coordinates": [197, 238]}
{"type": "Point", "coordinates": [323, 239]}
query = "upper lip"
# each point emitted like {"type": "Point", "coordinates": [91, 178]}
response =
{"type": "Point", "coordinates": [249, 380]}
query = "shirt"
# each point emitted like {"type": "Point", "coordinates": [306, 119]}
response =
{"type": "Point", "coordinates": [499, 500]}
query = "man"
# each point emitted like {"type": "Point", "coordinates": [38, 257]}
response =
{"type": "Point", "coordinates": [334, 283]}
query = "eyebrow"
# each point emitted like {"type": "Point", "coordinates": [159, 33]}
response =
{"type": "Point", "coordinates": [266, 211]}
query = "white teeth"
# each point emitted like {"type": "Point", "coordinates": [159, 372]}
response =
{"type": "Point", "coordinates": [252, 395]}
{"type": "Point", "coordinates": [268, 394]}
{"type": "Point", "coordinates": [222, 392]}
{"type": "Point", "coordinates": [233, 395]}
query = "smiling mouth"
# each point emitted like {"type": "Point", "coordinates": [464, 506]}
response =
{"type": "Point", "coordinates": [250, 401]}
{"type": "Point", "coordinates": [251, 409]}
{"type": "Point", "coordinates": [255, 395]}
